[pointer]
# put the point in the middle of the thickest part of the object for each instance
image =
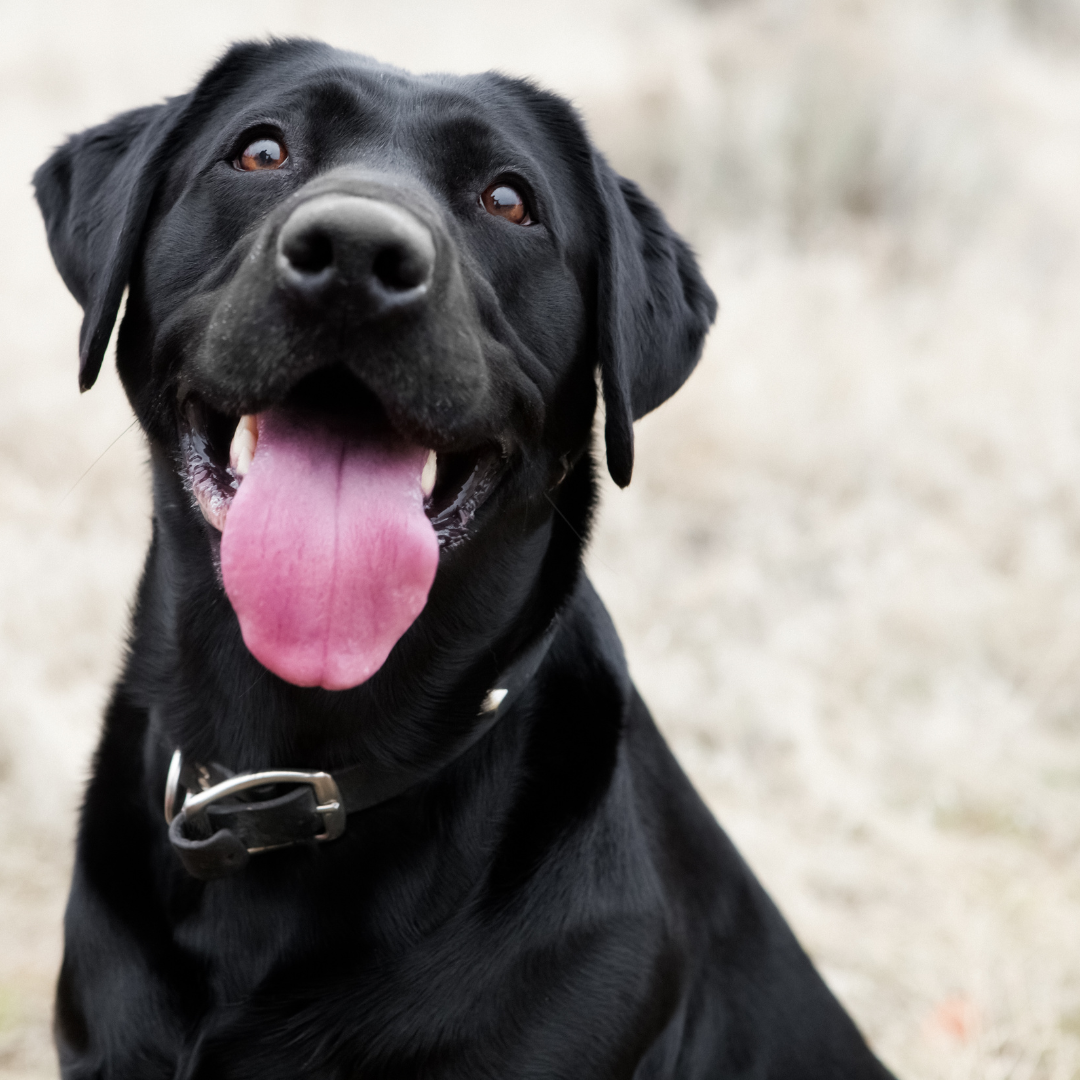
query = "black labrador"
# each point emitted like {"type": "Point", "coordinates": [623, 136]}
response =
{"type": "Point", "coordinates": [375, 796]}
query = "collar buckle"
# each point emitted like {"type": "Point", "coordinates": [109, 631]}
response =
{"type": "Point", "coordinates": [226, 837]}
{"type": "Point", "coordinates": [329, 805]}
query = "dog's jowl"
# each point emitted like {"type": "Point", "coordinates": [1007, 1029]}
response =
{"type": "Point", "coordinates": [375, 796]}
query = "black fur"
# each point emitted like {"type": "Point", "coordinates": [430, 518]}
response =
{"type": "Point", "coordinates": [557, 902]}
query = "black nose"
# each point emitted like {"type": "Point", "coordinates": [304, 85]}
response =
{"type": "Point", "coordinates": [348, 249]}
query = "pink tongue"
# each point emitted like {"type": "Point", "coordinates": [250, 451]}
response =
{"type": "Point", "coordinates": [327, 554]}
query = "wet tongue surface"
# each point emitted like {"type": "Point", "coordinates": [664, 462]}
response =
{"type": "Point", "coordinates": [327, 554]}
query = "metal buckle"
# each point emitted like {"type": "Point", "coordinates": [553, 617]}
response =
{"type": "Point", "coordinates": [327, 796]}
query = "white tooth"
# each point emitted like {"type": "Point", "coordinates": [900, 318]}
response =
{"type": "Point", "coordinates": [427, 477]}
{"type": "Point", "coordinates": [244, 441]}
{"type": "Point", "coordinates": [243, 458]}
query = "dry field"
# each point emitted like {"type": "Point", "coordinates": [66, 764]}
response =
{"type": "Point", "coordinates": [848, 569]}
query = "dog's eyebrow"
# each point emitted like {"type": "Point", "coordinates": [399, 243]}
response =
{"type": "Point", "coordinates": [331, 96]}
{"type": "Point", "coordinates": [479, 153]}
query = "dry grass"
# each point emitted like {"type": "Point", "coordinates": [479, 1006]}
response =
{"type": "Point", "coordinates": [848, 569]}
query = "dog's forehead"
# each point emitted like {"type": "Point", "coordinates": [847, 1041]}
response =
{"type": "Point", "coordinates": [349, 98]}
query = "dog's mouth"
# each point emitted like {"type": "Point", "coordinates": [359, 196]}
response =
{"type": "Point", "coordinates": [218, 449]}
{"type": "Point", "coordinates": [331, 522]}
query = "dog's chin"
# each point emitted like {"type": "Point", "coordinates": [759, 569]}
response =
{"type": "Point", "coordinates": [330, 523]}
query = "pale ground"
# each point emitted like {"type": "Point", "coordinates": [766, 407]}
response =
{"type": "Point", "coordinates": [848, 569]}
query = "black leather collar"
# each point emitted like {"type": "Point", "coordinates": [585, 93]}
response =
{"type": "Point", "coordinates": [226, 818]}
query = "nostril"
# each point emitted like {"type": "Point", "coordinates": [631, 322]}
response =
{"type": "Point", "coordinates": [400, 268]}
{"type": "Point", "coordinates": [310, 251]}
{"type": "Point", "coordinates": [374, 254]}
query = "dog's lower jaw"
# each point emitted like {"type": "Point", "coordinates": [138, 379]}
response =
{"type": "Point", "coordinates": [218, 703]}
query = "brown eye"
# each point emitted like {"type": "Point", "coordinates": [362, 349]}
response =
{"type": "Point", "coordinates": [503, 201]}
{"type": "Point", "coordinates": [262, 154]}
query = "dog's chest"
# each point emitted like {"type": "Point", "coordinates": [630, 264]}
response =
{"type": "Point", "coordinates": [241, 939]}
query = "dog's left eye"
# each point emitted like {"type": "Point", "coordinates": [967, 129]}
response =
{"type": "Point", "coordinates": [263, 153]}
{"type": "Point", "coordinates": [503, 201]}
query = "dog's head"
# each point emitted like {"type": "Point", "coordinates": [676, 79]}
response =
{"type": "Point", "coordinates": [365, 318]}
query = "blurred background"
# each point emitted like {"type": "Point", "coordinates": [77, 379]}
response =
{"type": "Point", "coordinates": [847, 571]}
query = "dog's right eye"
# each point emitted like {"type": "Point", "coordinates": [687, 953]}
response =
{"type": "Point", "coordinates": [265, 153]}
{"type": "Point", "coordinates": [502, 200]}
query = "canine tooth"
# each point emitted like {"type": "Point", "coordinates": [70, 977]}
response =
{"type": "Point", "coordinates": [427, 477]}
{"type": "Point", "coordinates": [244, 441]}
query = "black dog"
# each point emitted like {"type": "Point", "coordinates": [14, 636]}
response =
{"type": "Point", "coordinates": [366, 311]}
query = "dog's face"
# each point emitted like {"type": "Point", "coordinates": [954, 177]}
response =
{"type": "Point", "coordinates": [365, 318]}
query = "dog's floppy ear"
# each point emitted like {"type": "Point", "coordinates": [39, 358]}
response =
{"type": "Point", "coordinates": [94, 193]}
{"type": "Point", "coordinates": [654, 309]}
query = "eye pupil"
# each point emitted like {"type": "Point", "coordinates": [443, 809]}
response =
{"type": "Point", "coordinates": [501, 200]}
{"type": "Point", "coordinates": [263, 153]}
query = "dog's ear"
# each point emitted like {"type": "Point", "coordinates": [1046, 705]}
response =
{"type": "Point", "coordinates": [654, 309]}
{"type": "Point", "coordinates": [94, 193]}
